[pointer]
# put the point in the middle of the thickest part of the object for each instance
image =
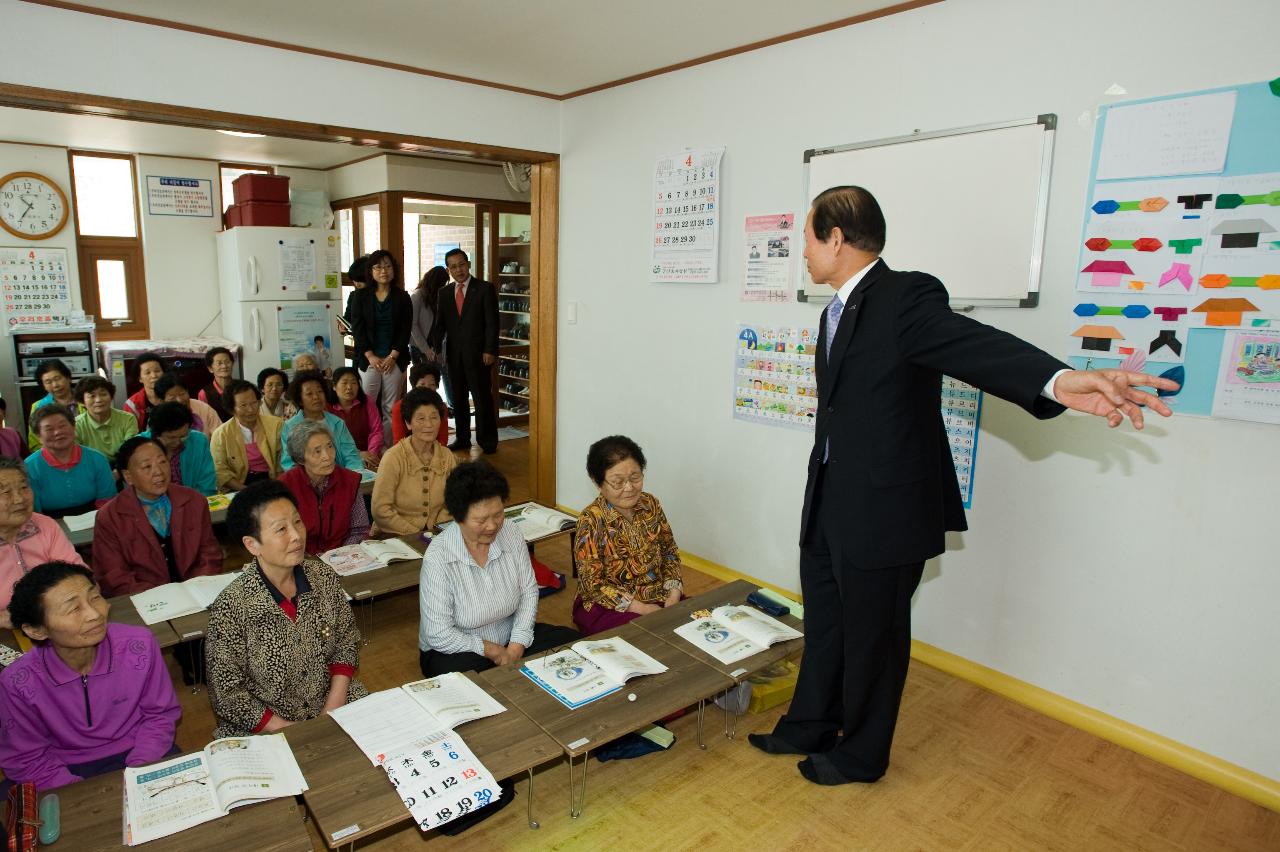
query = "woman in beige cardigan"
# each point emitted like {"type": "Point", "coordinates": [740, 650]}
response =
{"type": "Point", "coordinates": [236, 461]}
{"type": "Point", "coordinates": [408, 495]}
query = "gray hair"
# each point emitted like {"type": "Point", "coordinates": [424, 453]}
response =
{"type": "Point", "coordinates": [19, 465]}
{"type": "Point", "coordinates": [302, 434]}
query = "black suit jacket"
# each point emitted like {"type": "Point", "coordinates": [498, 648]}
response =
{"type": "Point", "coordinates": [360, 313]}
{"type": "Point", "coordinates": [475, 332]}
{"type": "Point", "coordinates": [889, 467]}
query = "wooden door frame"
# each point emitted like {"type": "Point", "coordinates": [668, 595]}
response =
{"type": "Point", "coordinates": [544, 213]}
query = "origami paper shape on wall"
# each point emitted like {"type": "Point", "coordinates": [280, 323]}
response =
{"type": "Point", "coordinates": [1242, 233]}
{"type": "Point", "coordinates": [1185, 246]}
{"type": "Point", "coordinates": [1224, 312]}
{"type": "Point", "coordinates": [1107, 273]}
{"type": "Point", "coordinates": [1194, 202]}
{"type": "Point", "coordinates": [1169, 314]}
{"type": "Point", "coordinates": [1180, 272]}
{"type": "Point", "coordinates": [1097, 337]}
{"type": "Point", "coordinates": [1167, 337]}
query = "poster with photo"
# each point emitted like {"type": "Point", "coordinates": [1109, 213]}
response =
{"type": "Point", "coordinates": [768, 245]}
{"type": "Point", "coordinates": [298, 326]}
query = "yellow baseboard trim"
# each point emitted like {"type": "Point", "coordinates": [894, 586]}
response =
{"type": "Point", "coordinates": [1236, 780]}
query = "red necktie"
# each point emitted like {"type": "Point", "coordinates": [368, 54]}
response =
{"type": "Point", "coordinates": [458, 295]}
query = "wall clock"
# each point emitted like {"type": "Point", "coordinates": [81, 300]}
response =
{"type": "Point", "coordinates": [32, 206]}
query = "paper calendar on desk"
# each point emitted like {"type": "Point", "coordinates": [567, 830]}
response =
{"type": "Point", "coordinates": [961, 407]}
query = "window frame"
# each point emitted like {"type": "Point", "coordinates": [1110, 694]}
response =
{"type": "Point", "coordinates": [91, 249]}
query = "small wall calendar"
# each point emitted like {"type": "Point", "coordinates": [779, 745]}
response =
{"type": "Point", "coordinates": [686, 217]}
{"type": "Point", "coordinates": [774, 376]}
{"type": "Point", "coordinates": [34, 285]}
{"type": "Point", "coordinates": [961, 406]}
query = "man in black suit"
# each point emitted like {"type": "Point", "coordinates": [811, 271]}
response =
{"type": "Point", "coordinates": [882, 490]}
{"type": "Point", "coordinates": [466, 326]}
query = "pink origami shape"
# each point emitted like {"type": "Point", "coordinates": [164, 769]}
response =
{"type": "Point", "coordinates": [1108, 273]}
{"type": "Point", "coordinates": [1180, 272]}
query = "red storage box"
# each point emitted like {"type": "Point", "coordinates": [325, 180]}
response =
{"type": "Point", "coordinates": [255, 187]}
{"type": "Point", "coordinates": [231, 217]}
{"type": "Point", "coordinates": [261, 213]}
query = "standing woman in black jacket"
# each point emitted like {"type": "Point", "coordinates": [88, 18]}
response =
{"type": "Point", "coordinates": [381, 317]}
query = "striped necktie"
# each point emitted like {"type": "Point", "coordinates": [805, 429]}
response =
{"type": "Point", "coordinates": [834, 310]}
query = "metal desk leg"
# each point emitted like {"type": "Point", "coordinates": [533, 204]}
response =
{"type": "Point", "coordinates": [702, 716]}
{"type": "Point", "coordinates": [730, 722]}
{"type": "Point", "coordinates": [533, 823]}
{"type": "Point", "coordinates": [578, 794]}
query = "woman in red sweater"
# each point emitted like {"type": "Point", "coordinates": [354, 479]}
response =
{"type": "Point", "coordinates": [328, 496]}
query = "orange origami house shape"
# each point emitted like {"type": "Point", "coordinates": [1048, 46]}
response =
{"type": "Point", "coordinates": [1224, 311]}
{"type": "Point", "coordinates": [1097, 337]}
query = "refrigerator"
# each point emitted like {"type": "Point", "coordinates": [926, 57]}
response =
{"type": "Point", "coordinates": [281, 288]}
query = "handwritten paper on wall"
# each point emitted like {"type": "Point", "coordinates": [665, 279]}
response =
{"type": "Point", "coordinates": [298, 264]}
{"type": "Point", "coordinates": [686, 217]}
{"type": "Point", "coordinates": [767, 246]}
{"type": "Point", "coordinates": [1177, 136]}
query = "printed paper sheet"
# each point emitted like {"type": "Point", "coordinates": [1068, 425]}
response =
{"type": "Point", "coordinates": [686, 217]}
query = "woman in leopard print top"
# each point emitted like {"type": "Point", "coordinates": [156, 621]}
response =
{"type": "Point", "coordinates": [282, 644]}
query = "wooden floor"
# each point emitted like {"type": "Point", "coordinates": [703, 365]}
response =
{"type": "Point", "coordinates": [970, 770]}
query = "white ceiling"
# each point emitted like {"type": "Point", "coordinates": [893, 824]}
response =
{"type": "Point", "coordinates": [98, 133]}
{"type": "Point", "coordinates": [553, 46]}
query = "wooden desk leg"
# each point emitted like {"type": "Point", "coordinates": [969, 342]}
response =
{"type": "Point", "coordinates": [702, 715]}
{"type": "Point", "coordinates": [533, 823]}
{"type": "Point", "coordinates": [578, 796]}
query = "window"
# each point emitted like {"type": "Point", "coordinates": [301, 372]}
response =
{"type": "Point", "coordinates": [109, 243]}
{"type": "Point", "coordinates": [231, 171]}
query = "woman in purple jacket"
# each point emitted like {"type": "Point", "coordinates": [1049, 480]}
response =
{"type": "Point", "coordinates": [90, 697]}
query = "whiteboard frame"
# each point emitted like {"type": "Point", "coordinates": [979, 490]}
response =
{"type": "Point", "coordinates": [1049, 121]}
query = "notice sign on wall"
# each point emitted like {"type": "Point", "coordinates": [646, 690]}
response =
{"type": "Point", "coordinates": [176, 196]}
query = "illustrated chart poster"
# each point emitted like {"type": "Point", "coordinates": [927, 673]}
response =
{"type": "Point", "coordinates": [767, 245]}
{"type": "Point", "coordinates": [1180, 253]}
{"type": "Point", "coordinates": [774, 380]}
{"type": "Point", "coordinates": [686, 217]}
{"type": "Point", "coordinates": [34, 285]}
{"type": "Point", "coordinates": [298, 327]}
{"type": "Point", "coordinates": [961, 410]}
{"type": "Point", "coordinates": [176, 196]}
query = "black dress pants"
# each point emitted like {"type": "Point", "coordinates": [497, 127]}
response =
{"type": "Point", "coordinates": [545, 637]}
{"type": "Point", "coordinates": [473, 378]}
{"type": "Point", "coordinates": [857, 647]}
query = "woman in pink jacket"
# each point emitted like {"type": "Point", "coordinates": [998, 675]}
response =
{"type": "Point", "coordinates": [26, 537]}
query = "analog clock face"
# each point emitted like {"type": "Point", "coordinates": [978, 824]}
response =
{"type": "Point", "coordinates": [31, 206]}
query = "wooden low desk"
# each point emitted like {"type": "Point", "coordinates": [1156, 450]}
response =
{"type": "Point", "coordinates": [350, 798]}
{"type": "Point", "coordinates": [124, 612]}
{"type": "Point", "coordinates": [398, 575]}
{"type": "Point", "coordinates": [92, 816]}
{"type": "Point", "coordinates": [663, 623]}
{"type": "Point", "coordinates": [686, 681]}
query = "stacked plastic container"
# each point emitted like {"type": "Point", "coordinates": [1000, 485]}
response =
{"type": "Point", "coordinates": [259, 200]}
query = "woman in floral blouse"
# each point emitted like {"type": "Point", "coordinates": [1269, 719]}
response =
{"type": "Point", "coordinates": [628, 561]}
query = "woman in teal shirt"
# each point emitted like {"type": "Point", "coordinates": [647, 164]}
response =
{"type": "Point", "coordinates": [309, 392]}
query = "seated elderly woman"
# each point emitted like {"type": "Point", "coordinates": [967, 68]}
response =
{"type": "Point", "coordinates": [477, 596]}
{"type": "Point", "coordinates": [26, 539]}
{"type": "Point", "coordinates": [282, 644]}
{"type": "Point", "coordinates": [310, 394]}
{"type": "Point", "coordinates": [147, 369]}
{"type": "Point", "coordinates": [408, 495]}
{"type": "Point", "coordinates": [55, 377]}
{"type": "Point", "coordinates": [100, 426]}
{"type": "Point", "coordinates": [12, 444]}
{"type": "Point", "coordinates": [272, 384]}
{"type": "Point", "coordinates": [90, 697]}
{"type": "Point", "coordinates": [328, 496]}
{"type": "Point", "coordinates": [363, 418]}
{"type": "Point", "coordinates": [154, 531]}
{"type": "Point", "coordinates": [67, 478]}
{"type": "Point", "coordinates": [247, 447]}
{"type": "Point", "coordinates": [190, 459]}
{"type": "Point", "coordinates": [627, 558]}
{"type": "Point", "coordinates": [203, 418]}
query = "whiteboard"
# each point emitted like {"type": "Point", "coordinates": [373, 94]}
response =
{"type": "Point", "coordinates": [966, 205]}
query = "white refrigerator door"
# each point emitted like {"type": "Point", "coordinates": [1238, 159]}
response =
{"type": "Point", "coordinates": [278, 264]}
{"type": "Point", "coordinates": [272, 333]}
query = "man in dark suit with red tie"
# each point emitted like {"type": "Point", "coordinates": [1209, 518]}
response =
{"type": "Point", "coordinates": [882, 490]}
{"type": "Point", "coordinates": [466, 327]}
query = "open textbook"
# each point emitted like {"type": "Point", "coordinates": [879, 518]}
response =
{"type": "Point", "coordinates": [368, 555]}
{"type": "Point", "coordinates": [589, 670]}
{"type": "Point", "coordinates": [734, 633]}
{"type": "Point", "coordinates": [168, 797]}
{"type": "Point", "coordinates": [174, 600]}
{"type": "Point", "coordinates": [386, 722]}
{"type": "Point", "coordinates": [535, 522]}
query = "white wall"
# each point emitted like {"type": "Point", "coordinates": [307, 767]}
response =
{"type": "Point", "coordinates": [1129, 571]}
{"type": "Point", "coordinates": [51, 162]}
{"type": "Point", "coordinates": [103, 56]}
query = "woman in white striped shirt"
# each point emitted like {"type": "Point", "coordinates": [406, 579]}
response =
{"type": "Point", "coordinates": [478, 600]}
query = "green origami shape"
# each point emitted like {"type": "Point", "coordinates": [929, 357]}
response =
{"type": "Point", "coordinates": [1275, 87]}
